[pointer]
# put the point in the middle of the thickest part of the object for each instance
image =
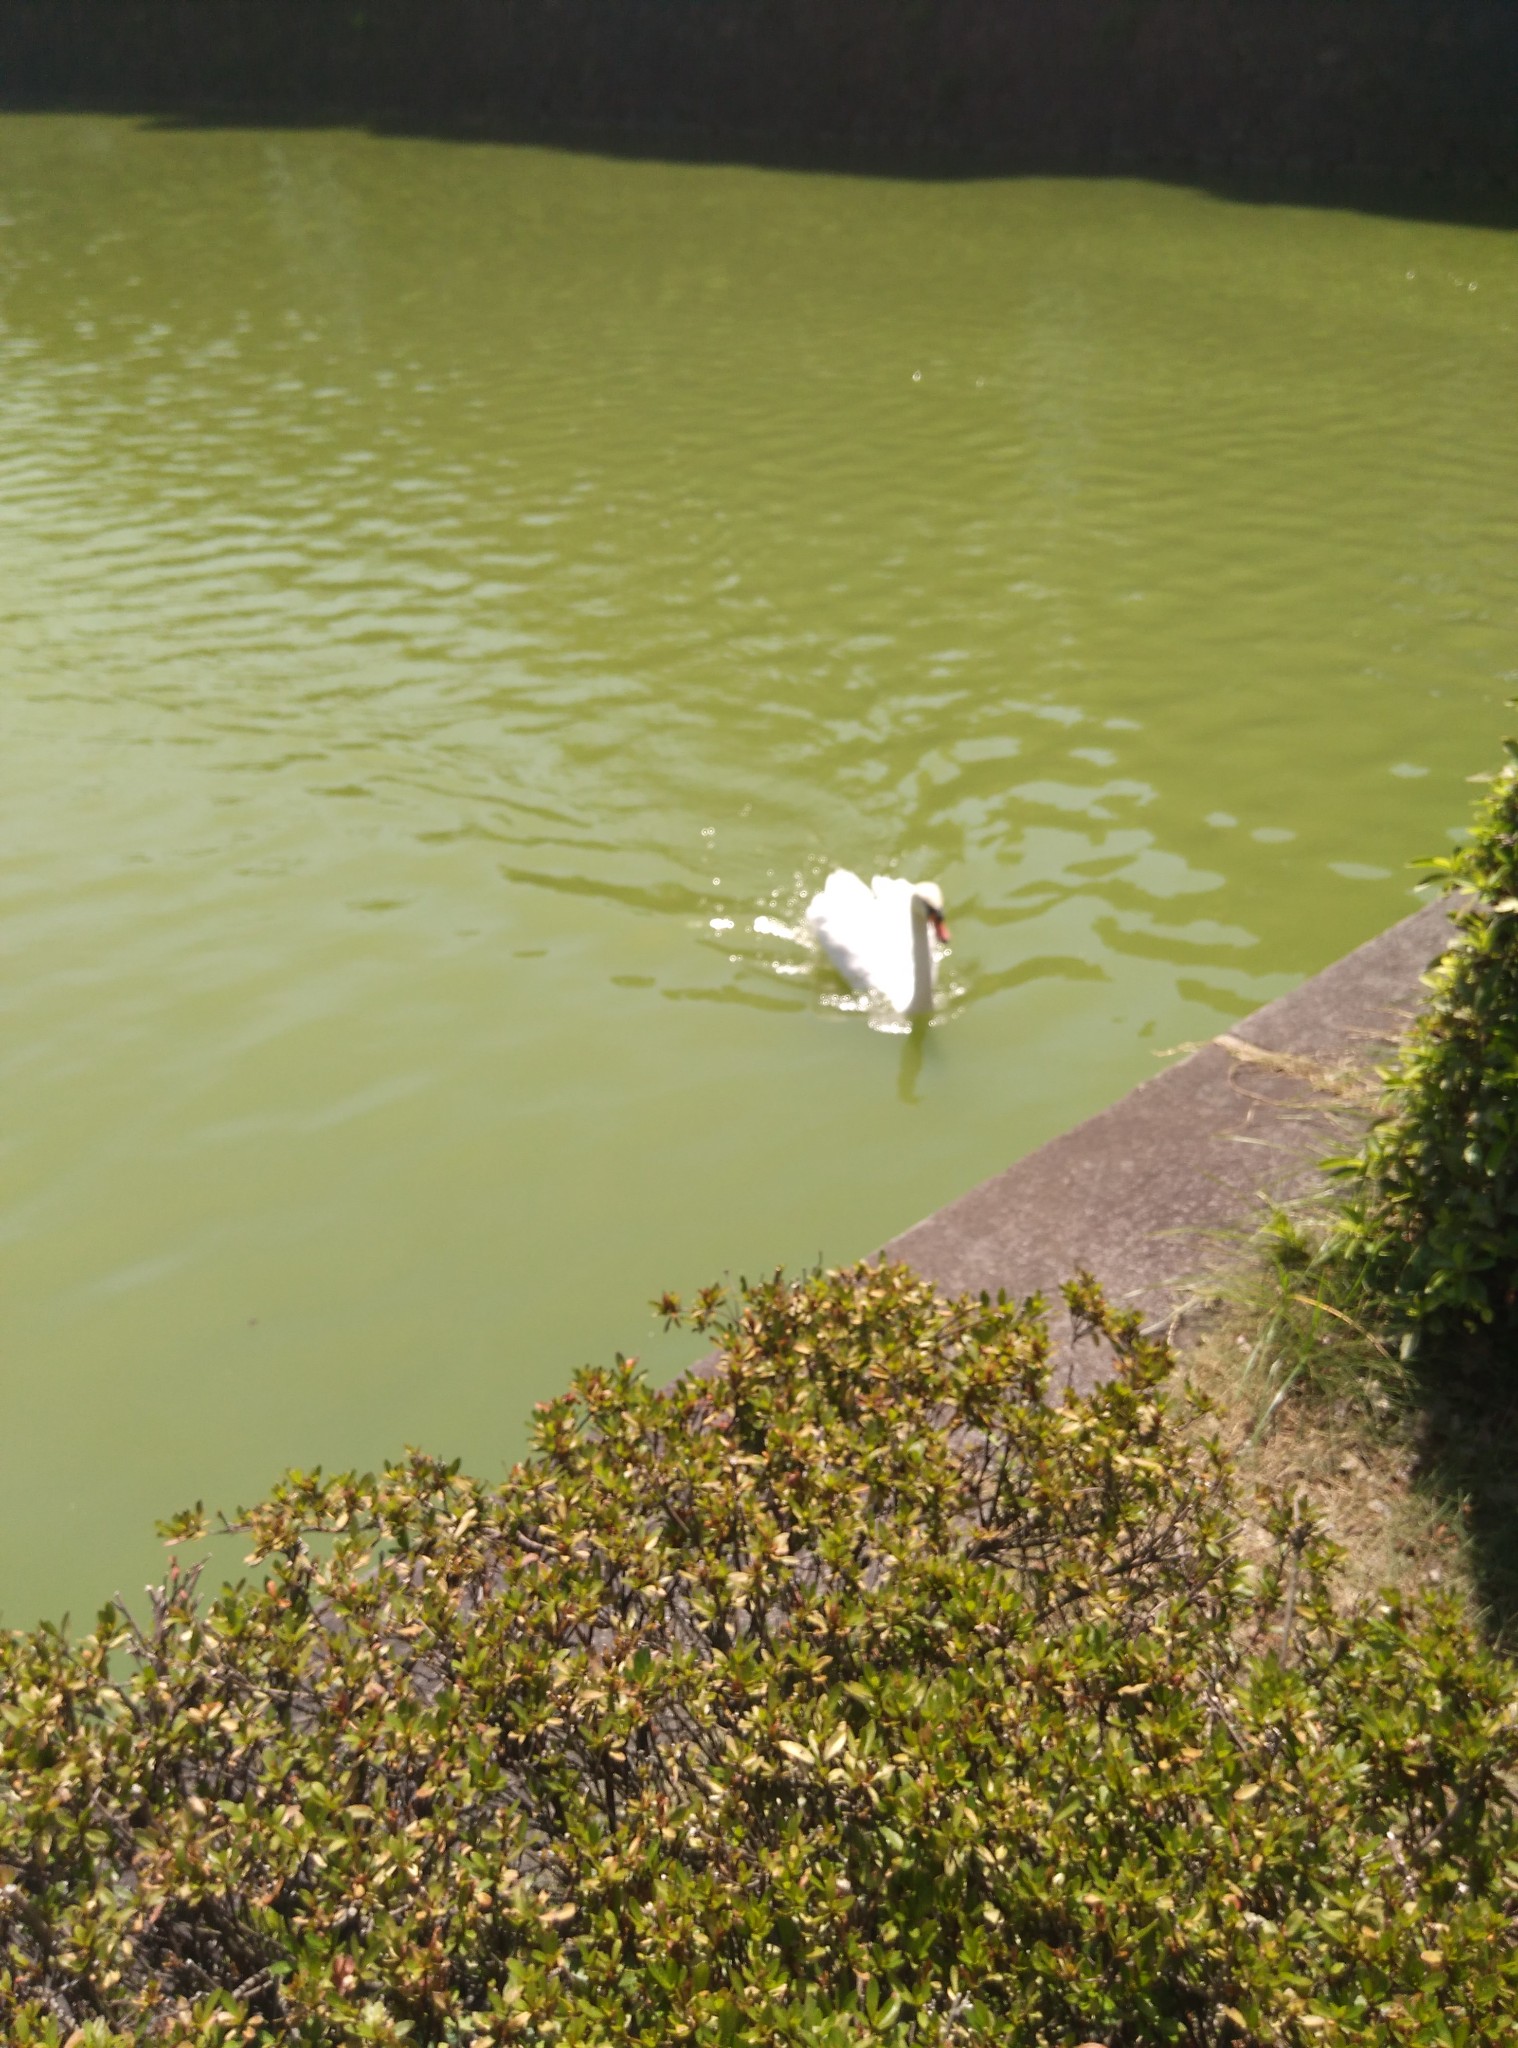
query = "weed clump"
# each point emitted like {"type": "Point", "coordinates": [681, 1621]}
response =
{"type": "Point", "coordinates": [856, 1692]}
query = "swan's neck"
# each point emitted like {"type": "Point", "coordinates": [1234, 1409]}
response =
{"type": "Point", "coordinates": [922, 968]}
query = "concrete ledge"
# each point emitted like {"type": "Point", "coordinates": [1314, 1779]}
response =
{"type": "Point", "coordinates": [1144, 1193]}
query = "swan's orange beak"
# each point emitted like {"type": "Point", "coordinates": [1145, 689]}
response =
{"type": "Point", "coordinates": [940, 928]}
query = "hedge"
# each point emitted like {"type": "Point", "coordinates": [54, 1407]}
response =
{"type": "Point", "coordinates": [1429, 1231]}
{"type": "Point", "coordinates": [860, 1691]}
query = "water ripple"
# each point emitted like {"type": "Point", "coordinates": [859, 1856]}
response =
{"type": "Point", "coordinates": [458, 603]}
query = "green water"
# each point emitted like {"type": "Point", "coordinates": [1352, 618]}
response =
{"type": "Point", "coordinates": [450, 593]}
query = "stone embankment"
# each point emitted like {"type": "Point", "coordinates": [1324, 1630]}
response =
{"type": "Point", "coordinates": [1148, 1194]}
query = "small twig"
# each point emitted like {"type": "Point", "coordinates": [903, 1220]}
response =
{"type": "Point", "coordinates": [1298, 1538]}
{"type": "Point", "coordinates": [1435, 1837]}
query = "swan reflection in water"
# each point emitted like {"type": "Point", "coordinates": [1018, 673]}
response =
{"type": "Point", "coordinates": [914, 1044]}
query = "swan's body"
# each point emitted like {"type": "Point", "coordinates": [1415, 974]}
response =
{"type": "Point", "coordinates": [878, 936]}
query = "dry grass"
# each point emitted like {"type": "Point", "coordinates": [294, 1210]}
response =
{"type": "Point", "coordinates": [1356, 1451]}
{"type": "Point", "coordinates": [1412, 1464]}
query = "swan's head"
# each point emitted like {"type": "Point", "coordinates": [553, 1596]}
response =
{"type": "Point", "coordinates": [927, 899]}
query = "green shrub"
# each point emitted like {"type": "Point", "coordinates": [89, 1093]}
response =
{"type": "Point", "coordinates": [1430, 1229]}
{"type": "Point", "coordinates": [855, 1693]}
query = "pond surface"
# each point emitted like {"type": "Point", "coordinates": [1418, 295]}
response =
{"type": "Point", "coordinates": [457, 601]}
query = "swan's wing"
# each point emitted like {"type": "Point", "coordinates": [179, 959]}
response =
{"type": "Point", "coordinates": [892, 894]}
{"type": "Point", "coordinates": [845, 915]}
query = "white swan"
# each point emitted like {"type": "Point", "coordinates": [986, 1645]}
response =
{"type": "Point", "coordinates": [877, 937]}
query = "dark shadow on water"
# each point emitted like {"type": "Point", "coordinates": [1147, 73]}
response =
{"type": "Point", "coordinates": [1479, 198]}
{"type": "Point", "coordinates": [1449, 202]}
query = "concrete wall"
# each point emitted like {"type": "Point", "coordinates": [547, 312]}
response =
{"type": "Point", "coordinates": [1159, 1191]}
{"type": "Point", "coordinates": [1407, 91]}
